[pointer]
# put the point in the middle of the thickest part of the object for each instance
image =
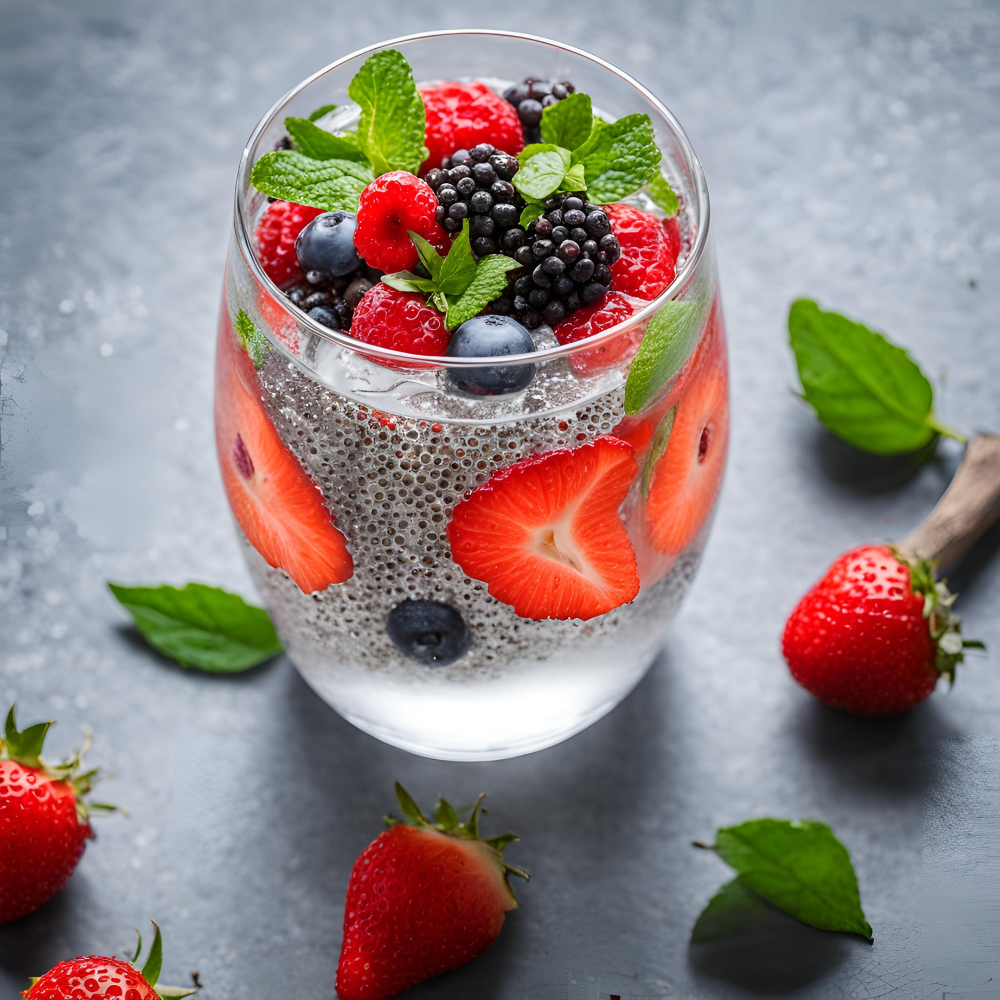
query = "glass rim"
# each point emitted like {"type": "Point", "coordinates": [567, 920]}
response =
{"type": "Point", "coordinates": [374, 351]}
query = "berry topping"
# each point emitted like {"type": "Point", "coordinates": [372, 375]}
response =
{"type": "Point", "coordinates": [475, 185]}
{"type": "Point", "coordinates": [491, 336]}
{"type": "Point", "coordinates": [275, 237]}
{"type": "Point", "coordinates": [325, 248]}
{"type": "Point", "coordinates": [424, 897]}
{"type": "Point", "coordinates": [613, 309]}
{"type": "Point", "coordinates": [276, 504]}
{"type": "Point", "coordinates": [463, 115]}
{"type": "Point", "coordinates": [429, 632]}
{"type": "Point", "coordinates": [649, 251]}
{"type": "Point", "coordinates": [391, 207]}
{"type": "Point", "coordinates": [545, 533]}
{"type": "Point", "coordinates": [531, 97]}
{"type": "Point", "coordinates": [687, 457]}
{"type": "Point", "coordinates": [399, 321]}
{"type": "Point", "coordinates": [566, 257]}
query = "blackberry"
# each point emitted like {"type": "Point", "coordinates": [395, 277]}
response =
{"type": "Point", "coordinates": [331, 302]}
{"type": "Point", "coordinates": [531, 97]}
{"type": "Point", "coordinates": [565, 263]}
{"type": "Point", "coordinates": [475, 184]}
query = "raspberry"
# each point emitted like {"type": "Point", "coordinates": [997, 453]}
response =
{"type": "Point", "coordinates": [648, 251]}
{"type": "Point", "coordinates": [389, 208]}
{"type": "Point", "coordinates": [275, 238]}
{"type": "Point", "coordinates": [531, 97]}
{"type": "Point", "coordinates": [399, 321]}
{"type": "Point", "coordinates": [462, 115]}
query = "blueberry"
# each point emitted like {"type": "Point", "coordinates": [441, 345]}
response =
{"type": "Point", "coordinates": [491, 336]}
{"type": "Point", "coordinates": [530, 111]}
{"type": "Point", "coordinates": [429, 632]}
{"type": "Point", "coordinates": [326, 316]}
{"type": "Point", "coordinates": [327, 244]}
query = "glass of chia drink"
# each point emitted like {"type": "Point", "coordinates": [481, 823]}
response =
{"type": "Point", "coordinates": [471, 385]}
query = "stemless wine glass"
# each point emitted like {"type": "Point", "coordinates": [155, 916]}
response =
{"type": "Point", "coordinates": [348, 465]}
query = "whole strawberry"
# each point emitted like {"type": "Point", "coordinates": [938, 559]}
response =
{"type": "Point", "coordinates": [424, 898]}
{"type": "Point", "coordinates": [92, 977]}
{"type": "Point", "coordinates": [875, 634]}
{"type": "Point", "coordinates": [44, 819]}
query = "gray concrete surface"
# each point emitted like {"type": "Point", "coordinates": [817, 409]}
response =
{"type": "Point", "coordinates": [851, 150]}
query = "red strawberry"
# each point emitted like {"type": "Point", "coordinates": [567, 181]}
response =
{"type": "Point", "coordinates": [390, 208]}
{"type": "Point", "coordinates": [609, 311]}
{"type": "Point", "coordinates": [276, 504]}
{"type": "Point", "coordinates": [93, 977]}
{"type": "Point", "coordinates": [461, 115]}
{"type": "Point", "coordinates": [275, 239]}
{"type": "Point", "coordinates": [399, 321]}
{"type": "Point", "coordinates": [687, 457]}
{"type": "Point", "coordinates": [44, 819]}
{"type": "Point", "coordinates": [875, 634]}
{"type": "Point", "coordinates": [424, 898]}
{"type": "Point", "coordinates": [546, 535]}
{"type": "Point", "coordinates": [649, 254]}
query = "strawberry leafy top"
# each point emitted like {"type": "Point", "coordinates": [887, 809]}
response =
{"type": "Point", "coordinates": [24, 747]}
{"type": "Point", "coordinates": [446, 820]}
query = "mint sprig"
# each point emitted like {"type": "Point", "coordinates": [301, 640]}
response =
{"type": "Point", "coordinates": [318, 144]}
{"type": "Point", "coordinates": [569, 122]}
{"type": "Point", "coordinates": [864, 388]}
{"type": "Point", "coordinates": [201, 627]}
{"type": "Point", "coordinates": [391, 130]}
{"type": "Point", "coordinates": [252, 340]}
{"type": "Point", "coordinates": [457, 285]}
{"type": "Point", "coordinates": [330, 185]}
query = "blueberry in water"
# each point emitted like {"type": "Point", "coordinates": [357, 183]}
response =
{"type": "Point", "coordinates": [491, 336]}
{"type": "Point", "coordinates": [429, 632]}
{"type": "Point", "coordinates": [326, 245]}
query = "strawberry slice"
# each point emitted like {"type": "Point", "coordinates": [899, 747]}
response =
{"type": "Point", "coordinates": [276, 504]}
{"type": "Point", "coordinates": [546, 535]}
{"type": "Point", "coordinates": [612, 309]}
{"type": "Point", "coordinates": [648, 251]}
{"type": "Point", "coordinates": [688, 454]}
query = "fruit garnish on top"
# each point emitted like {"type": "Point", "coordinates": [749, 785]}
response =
{"type": "Point", "coordinates": [541, 208]}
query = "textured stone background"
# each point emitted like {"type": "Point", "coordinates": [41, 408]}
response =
{"type": "Point", "coordinates": [851, 150]}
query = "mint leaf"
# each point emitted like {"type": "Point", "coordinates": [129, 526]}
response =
{"type": "Point", "coordinates": [800, 867]}
{"type": "Point", "coordinates": [864, 388]}
{"type": "Point", "coordinates": [729, 911]}
{"type": "Point", "coordinates": [200, 626]}
{"type": "Point", "coordinates": [575, 179]}
{"type": "Point", "coordinates": [568, 122]}
{"type": "Point", "coordinates": [542, 169]}
{"type": "Point", "coordinates": [530, 212]}
{"type": "Point", "coordinates": [459, 267]}
{"type": "Point", "coordinates": [622, 157]}
{"type": "Point", "coordinates": [318, 144]}
{"type": "Point", "coordinates": [391, 130]}
{"type": "Point", "coordinates": [489, 281]}
{"type": "Point", "coordinates": [661, 437]}
{"type": "Point", "coordinates": [663, 194]}
{"type": "Point", "coordinates": [407, 281]}
{"type": "Point", "coordinates": [326, 184]}
{"type": "Point", "coordinates": [666, 345]}
{"type": "Point", "coordinates": [253, 341]}
{"type": "Point", "coordinates": [321, 112]}
{"type": "Point", "coordinates": [428, 254]}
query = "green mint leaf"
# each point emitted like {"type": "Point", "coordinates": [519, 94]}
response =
{"type": "Point", "coordinates": [331, 185]}
{"type": "Point", "coordinates": [864, 388]}
{"type": "Point", "coordinates": [728, 912]}
{"type": "Point", "coordinates": [661, 437]}
{"type": "Point", "coordinates": [575, 179]}
{"type": "Point", "coordinates": [666, 345]}
{"type": "Point", "coordinates": [530, 212]}
{"type": "Point", "coordinates": [800, 867]}
{"type": "Point", "coordinates": [391, 130]}
{"type": "Point", "coordinates": [568, 123]}
{"type": "Point", "coordinates": [489, 281]}
{"type": "Point", "coordinates": [201, 627]}
{"type": "Point", "coordinates": [428, 255]}
{"type": "Point", "coordinates": [542, 169]}
{"type": "Point", "coordinates": [621, 159]}
{"type": "Point", "coordinates": [318, 144]}
{"type": "Point", "coordinates": [663, 194]}
{"type": "Point", "coordinates": [154, 960]}
{"type": "Point", "coordinates": [459, 267]}
{"type": "Point", "coordinates": [407, 281]}
{"type": "Point", "coordinates": [322, 111]}
{"type": "Point", "coordinates": [253, 341]}
{"type": "Point", "coordinates": [593, 140]}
